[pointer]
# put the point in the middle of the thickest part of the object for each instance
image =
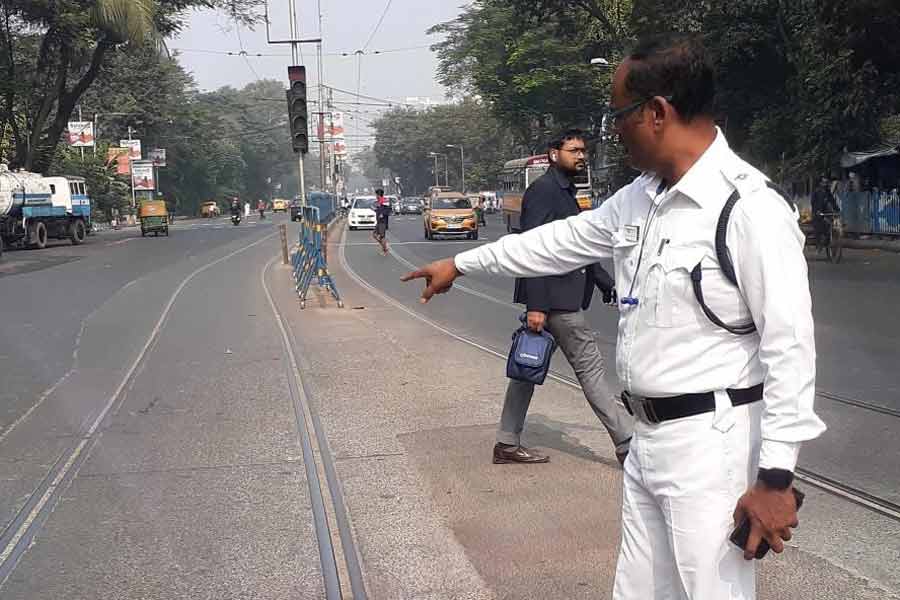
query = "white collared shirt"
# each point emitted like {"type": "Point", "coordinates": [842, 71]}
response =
{"type": "Point", "coordinates": [666, 344]}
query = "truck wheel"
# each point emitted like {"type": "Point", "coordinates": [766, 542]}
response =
{"type": "Point", "coordinates": [37, 235]}
{"type": "Point", "coordinates": [77, 232]}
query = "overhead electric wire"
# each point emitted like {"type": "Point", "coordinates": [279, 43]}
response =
{"type": "Point", "coordinates": [378, 25]}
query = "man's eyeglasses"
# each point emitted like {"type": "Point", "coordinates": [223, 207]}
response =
{"type": "Point", "coordinates": [615, 115]}
{"type": "Point", "coordinates": [575, 151]}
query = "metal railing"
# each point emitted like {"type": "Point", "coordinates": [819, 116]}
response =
{"type": "Point", "coordinates": [871, 212]}
{"type": "Point", "coordinates": [310, 257]}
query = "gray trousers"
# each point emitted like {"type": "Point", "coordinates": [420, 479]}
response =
{"type": "Point", "coordinates": [576, 340]}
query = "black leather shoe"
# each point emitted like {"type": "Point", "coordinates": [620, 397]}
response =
{"type": "Point", "coordinates": [504, 454]}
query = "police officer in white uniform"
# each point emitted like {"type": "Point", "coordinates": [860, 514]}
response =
{"type": "Point", "coordinates": [721, 408]}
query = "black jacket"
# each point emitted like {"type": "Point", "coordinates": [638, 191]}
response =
{"type": "Point", "coordinates": [550, 198]}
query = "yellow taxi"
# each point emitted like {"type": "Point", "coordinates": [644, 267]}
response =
{"type": "Point", "coordinates": [450, 214]}
{"type": "Point", "coordinates": [279, 205]}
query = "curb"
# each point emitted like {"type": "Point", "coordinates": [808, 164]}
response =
{"type": "Point", "coordinates": [885, 245]}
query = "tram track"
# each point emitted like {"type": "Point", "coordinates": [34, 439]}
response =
{"type": "Point", "coordinates": [832, 486]}
{"type": "Point", "coordinates": [310, 428]}
{"type": "Point", "coordinates": [324, 492]}
{"type": "Point", "coordinates": [19, 534]}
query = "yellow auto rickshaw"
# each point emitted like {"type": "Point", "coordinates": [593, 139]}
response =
{"type": "Point", "coordinates": [154, 217]}
{"type": "Point", "coordinates": [208, 210]}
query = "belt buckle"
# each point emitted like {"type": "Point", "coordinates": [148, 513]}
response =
{"type": "Point", "coordinates": [645, 407]}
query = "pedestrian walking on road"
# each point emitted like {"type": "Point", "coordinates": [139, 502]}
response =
{"type": "Point", "coordinates": [382, 213]}
{"type": "Point", "coordinates": [720, 376]}
{"type": "Point", "coordinates": [261, 207]}
{"type": "Point", "coordinates": [556, 303]}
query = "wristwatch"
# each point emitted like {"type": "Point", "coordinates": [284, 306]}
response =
{"type": "Point", "coordinates": [777, 479]}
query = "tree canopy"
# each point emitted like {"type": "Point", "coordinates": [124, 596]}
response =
{"type": "Point", "coordinates": [52, 51]}
{"type": "Point", "coordinates": [405, 138]}
{"type": "Point", "coordinates": [798, 81]}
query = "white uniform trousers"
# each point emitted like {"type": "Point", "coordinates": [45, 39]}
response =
{"type": "Point", "coordinates": [682, 481]}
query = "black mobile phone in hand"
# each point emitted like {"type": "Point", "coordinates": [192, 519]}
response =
{"type": "Point", "coordinates": [740, 535]}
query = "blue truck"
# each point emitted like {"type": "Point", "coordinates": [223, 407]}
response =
{"type": "Point", "coordinates": [35, 209]}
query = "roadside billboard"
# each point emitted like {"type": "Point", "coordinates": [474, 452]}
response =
{"type": "Point", "coordinates": [81, 134]}
{"type": "Point", "coordinates": [120, 157]}
{"type": "Point", "coordinates": [134, 148]}
{"type": "Point", "coordinates": [142, 175]}
{"type": "Point", "coordinates": [158, 157]}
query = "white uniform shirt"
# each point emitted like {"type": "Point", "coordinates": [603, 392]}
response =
{"type": "Point", "coordinates": [666, 344]}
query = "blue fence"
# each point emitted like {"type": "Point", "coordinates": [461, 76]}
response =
{"type": "Point", "coordinates": [325, 202]}
{"type": "Point", "coordinates": [871, 212]}
{"type": "Point", "coordinates": [310, 258]}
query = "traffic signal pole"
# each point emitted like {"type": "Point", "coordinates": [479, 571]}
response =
{"type": "Point", "coordinates": [295, 59]}
{"type": "Point", "coordinates": [296, 94]}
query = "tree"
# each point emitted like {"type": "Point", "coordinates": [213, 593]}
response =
{"type": "Point", "coordinates": [798, 81]}
{"type": "Point", "coordinates": [529, 62]}
{"type": "Point", "coordinates": [404, 138]}
{"type": "Point", "coordinates": [53, 50]}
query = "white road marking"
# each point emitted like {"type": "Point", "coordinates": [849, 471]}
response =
{"type": "Point", "coordinates": [36, 510]}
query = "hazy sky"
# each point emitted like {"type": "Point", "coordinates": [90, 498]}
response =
{"type": "Point", "coordinates": [347, 24]}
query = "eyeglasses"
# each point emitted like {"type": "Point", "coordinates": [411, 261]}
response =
{"type": "Point", "coordinates": [575, 151]}
{"type": "Point", "coordinates": [616, 115]}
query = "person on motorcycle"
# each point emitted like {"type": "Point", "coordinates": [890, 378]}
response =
{"type": "Point", "coordinates": [261, 207]}
{"type": "Point", "coordinates": [235, 207]}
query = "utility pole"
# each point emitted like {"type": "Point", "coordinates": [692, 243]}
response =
{"type": "Point", "coordinates": [322, 148]}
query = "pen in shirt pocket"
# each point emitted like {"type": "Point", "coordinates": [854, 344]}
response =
{"type": "Point", "coordinates": [662, 246]}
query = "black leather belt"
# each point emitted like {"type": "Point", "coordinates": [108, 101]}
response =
{"type": "Point", "coordinates": [657, 410]}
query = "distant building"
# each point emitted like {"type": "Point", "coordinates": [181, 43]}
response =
{"type": "Point", "coordinates": [422, 102]}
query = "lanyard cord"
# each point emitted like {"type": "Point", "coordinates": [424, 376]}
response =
{"type": "Point", "coordinates": [651, 212]}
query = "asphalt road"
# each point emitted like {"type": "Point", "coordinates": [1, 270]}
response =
{"type": "Point", "coordinates": [146, 440]}
{"type": "Point", "coordinates": [149, 446]}
{"type": "Point", "coordinates": [857, 335]}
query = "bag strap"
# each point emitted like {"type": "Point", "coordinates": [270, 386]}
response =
{"type": "Point", "coordinates": [725, 262]}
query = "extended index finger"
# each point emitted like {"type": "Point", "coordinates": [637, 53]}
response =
{"type": "Point", "coordinates": [418, 274]}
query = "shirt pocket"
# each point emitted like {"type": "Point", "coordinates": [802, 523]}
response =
{"type": "Point", "coordinates": [671, 301]}
{"type": "Point", "coordinates": [669, 296]}
{"type": "Point", "coordinates": [624, 262]}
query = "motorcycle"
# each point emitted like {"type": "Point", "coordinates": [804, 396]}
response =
{"type": "Point", "coordinates": [236, 219]}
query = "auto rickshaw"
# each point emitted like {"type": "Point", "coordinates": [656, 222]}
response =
{"type": "Point", "coordinates": [154, 217]}
{"type": "Point", "coordinates": [208, 210]}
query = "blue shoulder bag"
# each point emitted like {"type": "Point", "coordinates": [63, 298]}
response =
{"type": "Point", "coordinates": [530, 354]}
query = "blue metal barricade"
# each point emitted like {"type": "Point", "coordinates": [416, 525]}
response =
{"type": "Point", "coordinates": [871, 212]}
{"type": "Point", "coordinates": [309, 259]}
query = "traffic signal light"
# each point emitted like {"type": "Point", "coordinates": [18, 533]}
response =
{"type": "Point", "coordinates": [297, 115]}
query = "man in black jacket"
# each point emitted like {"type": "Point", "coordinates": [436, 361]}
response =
{"type": "Point", "coordinates": [556, 303]}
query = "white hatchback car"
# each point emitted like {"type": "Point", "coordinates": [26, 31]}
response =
{"type": "Point", "coordinates": [362, 213]}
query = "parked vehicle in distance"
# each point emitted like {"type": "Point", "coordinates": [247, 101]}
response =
{"type": "Point", "coordinates": [411, 205]}
{"type": "Point", "coordinates": [279, 205]}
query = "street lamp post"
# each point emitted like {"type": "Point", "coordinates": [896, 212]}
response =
{"type": "Point", "coordinates": [434, 156]}
{"type": "Point", "coordinates": [462, 164]}
{"type": "Point", "coordinates": [446, 176]}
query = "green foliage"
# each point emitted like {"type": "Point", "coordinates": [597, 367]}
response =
{"type": "Point", "coordinates": [405, 137]}
{"type": "Point", "coordinates": [51, 52]}
{"type": "Point", "coordinates": [799, 80]}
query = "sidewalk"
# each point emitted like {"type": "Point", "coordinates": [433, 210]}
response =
{"type": "Point", "coordinates": [410, 415]}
